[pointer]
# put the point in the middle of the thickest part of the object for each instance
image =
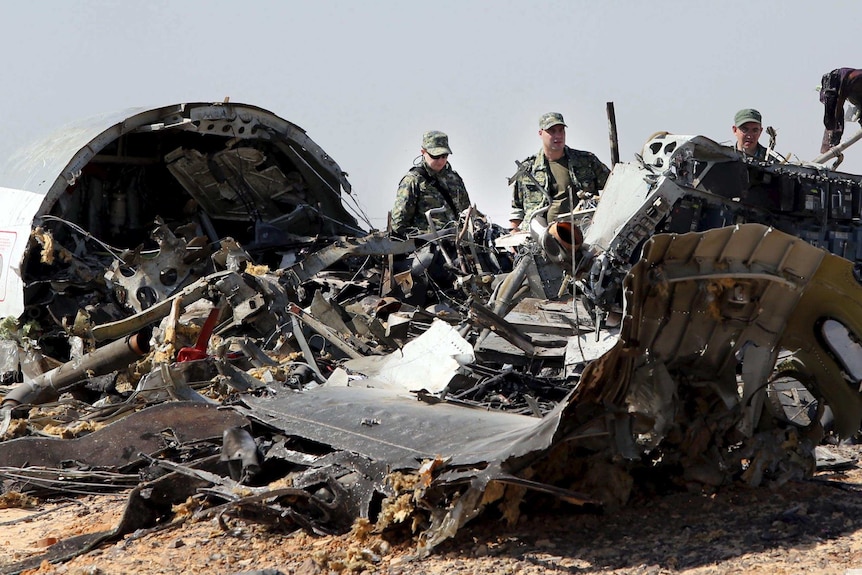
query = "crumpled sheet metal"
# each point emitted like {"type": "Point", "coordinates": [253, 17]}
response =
{"type": "Point", "coordinates": [213, 181]}
{"type": "Point", "coordinates": [695, 301]}
{"type": "Point", "coordinates": [189, 294]}
{"type": "Point", "coordinates": [475, 446]}
{"type": "Point", "coordinates": [374, 244]}
{"type": "Point", "coordinates": [147, 431]}
{"type": "Point", "coordinates": [428, 362]}
{"type": "Point", "coordinates": [119, 443]}
{"type": "Point", "coordinates": [833, 293]}
{"type": "Point", "coordinates": [695, 304]}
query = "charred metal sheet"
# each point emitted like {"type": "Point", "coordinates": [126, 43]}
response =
{"type": "Point", "coordinates": [119, 443]}
{"type": "Point", "coordinates": [358, 477]}
{"type": "Point", "coordinates": [407, 433]}
{"type": "Point", "coordinates": [240, 452]}
{"type": "Point", "coordinates": [324, 499]}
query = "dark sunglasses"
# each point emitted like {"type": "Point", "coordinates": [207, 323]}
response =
{"type": "Point", "coordinates": [433, 157]}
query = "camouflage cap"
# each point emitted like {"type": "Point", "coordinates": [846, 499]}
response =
{"type": "Point", "coordinates": [747, 115]}
{"type": "Point", "coordinates": [435, 143]}
{"type": "Point", "coordinates": [551, 119]}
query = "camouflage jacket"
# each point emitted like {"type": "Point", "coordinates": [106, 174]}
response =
{"type": "Point", "coordinates": [421, 190]}
{"type": "Point", "coordinates": [586, 171]}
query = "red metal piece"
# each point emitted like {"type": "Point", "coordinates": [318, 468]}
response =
{"type": "Point", "coordinates": [199, 351]}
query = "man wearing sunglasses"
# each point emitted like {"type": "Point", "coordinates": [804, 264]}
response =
{"type": "Point", "coordinates": [547, 178]}
{"type": "Point", "coordinates": [430, 183]}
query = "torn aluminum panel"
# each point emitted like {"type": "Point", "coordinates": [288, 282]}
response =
{"type": "Point", "coordinates": [255, 177]}
{"type": "Point", "coordinates": [428, 362]}
{"type": "Point", "coordinates": [407, 431]}
{"type": "Point", "coordinates": [704, 303]}
{"type": "Point", "coordinates": [472, 447]}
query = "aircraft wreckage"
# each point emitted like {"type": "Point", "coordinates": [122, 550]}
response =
{"type": "Point", "coordinates": [193, 311]}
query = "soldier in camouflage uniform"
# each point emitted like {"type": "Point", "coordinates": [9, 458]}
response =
{"type": "Point", "coordinates": [548, 175]}
{"type": "Point", "coordinates": [430, 184]}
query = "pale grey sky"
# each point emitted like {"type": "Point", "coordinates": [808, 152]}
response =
{"type": "Point", "coordinates": [366, 79]}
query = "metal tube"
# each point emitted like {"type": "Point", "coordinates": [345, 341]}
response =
{"type": "Point", "coordinates": [836, 151]}
{"type": "Point", "coordinates": [105, 359]}
{"type": "Point", "coordinates": [509, 286]}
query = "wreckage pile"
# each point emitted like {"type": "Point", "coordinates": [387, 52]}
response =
{"type": "Point", "coordinates": [259, 356]}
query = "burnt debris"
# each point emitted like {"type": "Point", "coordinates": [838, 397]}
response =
{"type": "Point", "coordinates": [199, 312]}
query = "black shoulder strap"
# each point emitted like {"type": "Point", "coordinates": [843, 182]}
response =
{"type": "Point", "coordinates": [441, 186]}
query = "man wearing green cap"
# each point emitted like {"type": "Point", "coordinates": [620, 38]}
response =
{"type": "Point", "coordinates": [430, 183]}
{"type": "Point", "coordinates": [747, 127]}
{"type": "Point", "coordinates": [547, 178]}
